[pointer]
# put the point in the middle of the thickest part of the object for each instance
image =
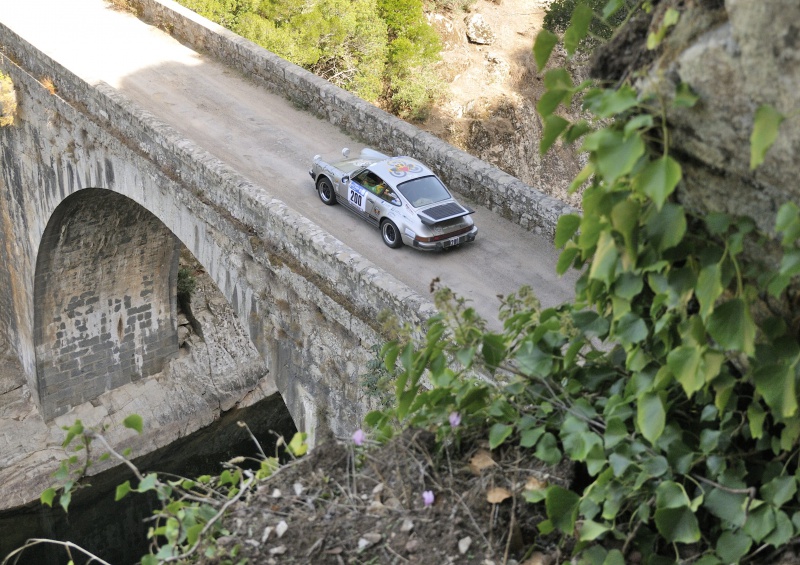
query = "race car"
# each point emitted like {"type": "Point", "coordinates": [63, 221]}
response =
{"type": "Point", "coordinates": [399, 195]}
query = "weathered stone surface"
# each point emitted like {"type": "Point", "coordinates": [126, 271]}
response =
{"type": "Point", "coordinates": [735, 55]}
{"type": "Point", "coordinates": [478, 31]}
{"type": "Point", "coordinates": [105, 296]}
{"type": "Point", "coordinates": [210, 376]}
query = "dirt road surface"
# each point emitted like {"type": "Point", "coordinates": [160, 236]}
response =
{"type": "Point", "coordinates": [267, 139]}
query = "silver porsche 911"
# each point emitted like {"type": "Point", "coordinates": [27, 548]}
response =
{"type": "Point", "coordinates": [399, 195]}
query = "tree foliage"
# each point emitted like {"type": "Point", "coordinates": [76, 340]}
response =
{"type": "Point", "coordinates": [381, 50]}
{"type": "Point", "coordinates": [667, 380]}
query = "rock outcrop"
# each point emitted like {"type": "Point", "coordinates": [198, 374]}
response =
{"type": "Point", "coordinates": [735, 55]}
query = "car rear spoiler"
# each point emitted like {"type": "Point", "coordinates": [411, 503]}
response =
{"type": "Point", "coordinates": [439, 214]}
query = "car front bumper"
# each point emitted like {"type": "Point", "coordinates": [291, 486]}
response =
{"type": "Point", "coordinates": [445, 243]}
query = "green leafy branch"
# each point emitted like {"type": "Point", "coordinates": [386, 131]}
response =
{"type": "Point", "coordinates": [190, 518]}
{"type": "Point", "coordinates": [668, 379]}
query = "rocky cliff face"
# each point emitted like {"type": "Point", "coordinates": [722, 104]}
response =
{"type": "Point", "coordinates": [736, 55]}
{"type": "Point", "coordinates": [490, 106]}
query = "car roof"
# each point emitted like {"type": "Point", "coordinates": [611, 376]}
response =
{"type": "Point", "coordinates": [396, 170]}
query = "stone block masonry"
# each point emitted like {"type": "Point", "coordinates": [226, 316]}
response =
{"type": "Point", "coordinates": [479, 181]}
{"type": "Point", "coordinates": [100, 244]}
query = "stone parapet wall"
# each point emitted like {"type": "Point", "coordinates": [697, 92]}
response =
{"type": "Point", "coordinates": [479, 181]}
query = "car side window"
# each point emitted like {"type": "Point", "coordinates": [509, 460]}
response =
{"type": "Point", "coordinates": [371, 182]}
{"type": "Point", "coordinates": [390, 197]}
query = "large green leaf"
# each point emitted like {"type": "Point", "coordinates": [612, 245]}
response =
{"type": "Point", "coordinates": [780, 490]}
{"type": "Point", "coordinates": [611, 7]}
{"type": "Point", "coordinates": [567, 225]}
{"type": "Point", "coordinates": [625, 219]}
{"type": "Point", "coordinates": [709, 288]}
{"type": "Point", "coordinates": [651, 416]}
{"type": "Point", "coordinates": [659, 179]}
{"type": "Point", "coordinates": [618, 155]}
{"type": "Point", "coordinates": [47, 496]}
{"type": "Point", "coordinates": [591, 530]}
{"type": "Point", "coordinates": [732, 546]}
{"type": "Point", "coordinates": [776, 383]}
{"type": "Point", "coordinates": [533, 361]}
{"type": "Point", "coordinates": [631, 329]}
{"type": "Point", "coordinates": [732, 327]}
{"type": "Point", "coordinates": [667, 227]}
{"type": "Point", "coordinates": [553, 127]}
{"type": "Point", "coordinates": [783, 532]}
{"type": "Point", "coordinates": [550, 100]}
{"type": "Point", "coordinates": [788, 222]}
{"type": "Point", "coordinates": [670, 18]}
{"type": "Point", "coordinates": [684, 363]}
{"type": "Point", "coordinates": [499, 433]}
{"type": "Point", "coordinates": [567, 259]}
{"type": "Point", "coordinates": [562, 508]}
{"type": "Point", "coordinates": [122, 490]}
{"type": "Point", "coordinates": [578, 28]}
{"type": "Point", "coordinates": [542, 47]}
{"type": "Point", "coordinates": [766, 123]}
{"type": "Point", "coordinates": [605, 258]}
{"type": "Point", "coordinates": [726, 505]}
{"type": "Point", "coordinates": [547, 449]}
{"type": "Point", "coordinates": [133, 422]}
{"type": "Point", "coordinates": [760, 522]}
{"type": "Point", "coordinates": [493, 350]}
{"type": "Point", "coordinates": [606, 103]}
{"type": "Point", "coordinates": [677, 525]}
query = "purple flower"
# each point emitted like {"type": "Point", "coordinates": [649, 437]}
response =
{"type": "Point", "coordinates": [455, 419]}
{"type": "Point", "coordinates": [358, 437]}
{"type": "Point", "coordinates": [427, 497]}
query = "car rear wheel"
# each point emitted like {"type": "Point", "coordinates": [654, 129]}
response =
{"type": "Point", "coordinates": [325, 190]}
{"type": "Point", "coordinates": [391, 235]}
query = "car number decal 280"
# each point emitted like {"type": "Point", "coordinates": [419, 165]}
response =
{"type": "Point", "coordinates": [356, 197]}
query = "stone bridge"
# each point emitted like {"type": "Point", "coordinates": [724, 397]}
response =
{"type": "Point", "coordinates": [98, 196]}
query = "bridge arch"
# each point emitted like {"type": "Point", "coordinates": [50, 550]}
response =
{"type": "Point", "coordinates": [105, 298]}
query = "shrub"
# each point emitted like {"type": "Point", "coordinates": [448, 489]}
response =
{"type": "Point", "coordinates": [381, 50]}
{"type": "Point", "coordinates": [414, 47]}
{"type": "Point", "coordinates": [672, 378]}
{"type": "Point", "coordinates": [559, 12]}
{"type": "Point", "coordinates": [186, 285]}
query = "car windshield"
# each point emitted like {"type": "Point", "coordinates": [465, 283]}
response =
{"type": "Point", "coordinates": [423, 191]}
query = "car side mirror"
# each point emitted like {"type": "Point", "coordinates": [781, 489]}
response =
{"type": "Point", "coordinates": [345, 180]}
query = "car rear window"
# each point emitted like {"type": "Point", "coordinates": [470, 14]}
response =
{"type": "Point", "coordinates": [423, 191]}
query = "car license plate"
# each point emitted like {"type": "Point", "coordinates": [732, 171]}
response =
{"type": "Point", "coordinates": [452, 242]}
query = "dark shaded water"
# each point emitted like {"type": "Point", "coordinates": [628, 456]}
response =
{"type": "Point", "coordinates": [116, 531]}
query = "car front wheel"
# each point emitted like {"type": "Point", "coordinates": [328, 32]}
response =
{"type": "Point", "coordinates": [391, 235]}
{"type": "Point", "coordinates": [325, 190]}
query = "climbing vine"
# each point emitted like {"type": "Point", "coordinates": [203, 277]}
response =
{"type": "Point", "coordinates": [671, 380]}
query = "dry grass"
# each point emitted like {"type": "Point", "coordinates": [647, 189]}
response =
{"type": "Point", "coordinates": [49, 85]}
{"type": "Point", "coordinates": [347, 505]}
{"type": "Point", "coordinates": [122, 6]}
{"type": "Point", "coordinates": [8, 101]}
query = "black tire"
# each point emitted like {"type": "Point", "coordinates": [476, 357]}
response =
{"type": "Point", "coordinates": [326, 192]}
{"type": "Point", "coordinates": [391, 235]}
